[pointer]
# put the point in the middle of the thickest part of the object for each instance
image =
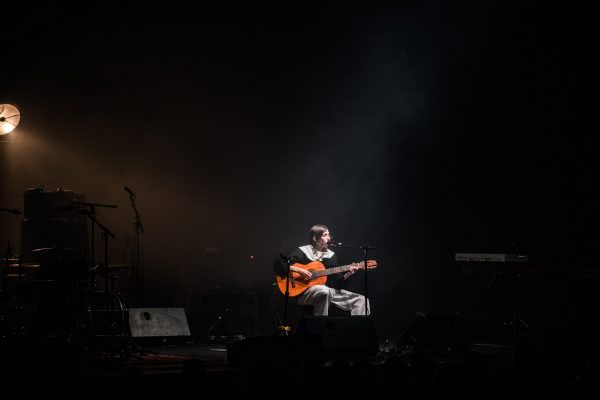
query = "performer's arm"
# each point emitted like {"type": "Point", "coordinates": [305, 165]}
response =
{"type": "Point", "coordinates": [296, 256]}
{"type": "Point", "coordinates": [351, 272]}
{"type": "Point", "coordinates": [306, 274]}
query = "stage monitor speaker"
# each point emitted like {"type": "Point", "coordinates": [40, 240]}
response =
{"type": "Point", "coordinates": [341, 337]}
{"type": "Point", "coordinates": [158, 322]}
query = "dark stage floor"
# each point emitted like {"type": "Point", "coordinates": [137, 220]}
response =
{"type": "Point", "coordinates": [271, 369]}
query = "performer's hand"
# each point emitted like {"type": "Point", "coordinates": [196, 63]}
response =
{"type": "Point", "coordinates": [351, 272]}
{"type": "Point", "coordinates": [304, 273]}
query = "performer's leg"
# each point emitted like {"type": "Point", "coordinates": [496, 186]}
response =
{"type": "Point", "coordinates": [317, 296]}
{"type": "Point", "coordinates": [350, 301]}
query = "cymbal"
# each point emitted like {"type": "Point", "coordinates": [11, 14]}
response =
{"type": "Point", "coordinates": [18, 275]}
{"type": "Point", "coordinates": [119, 266]}
{"type": "Point", "coordinates": [42, 249]}
{"type": "Point", "coordinates": [100, 267]}
{"type": "Point", "coordinates": [23, 265]}
{"type": "Point", "coordinates": [57, 249]}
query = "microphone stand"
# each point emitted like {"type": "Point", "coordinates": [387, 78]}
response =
{"type": "Point", "coordinates": [365, 250]}
{"type": "Point", "coordinates": [138, 227]}
{"type": "Point", "coordinates": [285, 328]}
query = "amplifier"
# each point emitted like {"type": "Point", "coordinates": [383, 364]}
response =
{"type": "Point", "coordinates": [50, 221]}
{"type": "Point", "coordinates": [41, 204]}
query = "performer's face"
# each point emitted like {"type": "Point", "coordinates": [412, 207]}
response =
{"type": "Point", "coordinates": [323, 241]}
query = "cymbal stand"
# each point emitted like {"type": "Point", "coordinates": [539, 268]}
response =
{"type": "Point", "coordinates": [225, 317]}
{"type": "Point", "coordinates": [92, 277]}
{"type": "Point", "coordinates": [9, 256]}
{"type": "Point", "coordinates": [4, 317]}
{"type": "Point", "coordinates": [138, 228]}
{"type": "Point", "coordinates": [517, 326]}
{"type": "Point", "coordinates": [106, 233]}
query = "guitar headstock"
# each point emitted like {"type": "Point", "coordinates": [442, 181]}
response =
{"type": "Point", "coordinates": [370, 264]}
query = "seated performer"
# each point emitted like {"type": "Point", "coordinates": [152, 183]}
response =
{"type": "Point", "coordinates": [320, 296]}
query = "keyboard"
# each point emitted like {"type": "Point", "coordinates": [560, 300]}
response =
{"type": "Point", "coordinates": [490, 257]}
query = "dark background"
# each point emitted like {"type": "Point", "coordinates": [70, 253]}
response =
{"type": "Point", "coordinates": [422, 128]}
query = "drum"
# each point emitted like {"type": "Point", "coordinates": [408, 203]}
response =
{"type": "Point", "coordinates": [107, 315]}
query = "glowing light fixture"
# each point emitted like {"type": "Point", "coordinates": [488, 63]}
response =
{"type": "Point", "coordinates": [9, 118]}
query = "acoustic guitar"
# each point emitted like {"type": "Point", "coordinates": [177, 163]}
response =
{"type": "Point", "coordinates": [319, 275]}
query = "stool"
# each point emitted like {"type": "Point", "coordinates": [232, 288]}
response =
{"type": "Point", "coordinates": [334, 311]}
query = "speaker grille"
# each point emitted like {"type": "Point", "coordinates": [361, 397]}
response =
{"type": "Point", "coordinates": [158, 322]}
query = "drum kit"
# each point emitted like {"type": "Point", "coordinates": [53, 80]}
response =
{"type": "Point", "coordinates": [58, 293]}
{"type": "Point", "coordinates": [55, 299]}
{"type": "Point", "coordinates": [53, 289]}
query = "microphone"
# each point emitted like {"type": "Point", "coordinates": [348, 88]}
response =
{"type": "Point", "coordinates": [336, 244]}
{"type": "Point", "coordinates": [129, 191]}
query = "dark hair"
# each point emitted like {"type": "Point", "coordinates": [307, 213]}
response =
{"type": "Point", "coordinates": [316, 232]}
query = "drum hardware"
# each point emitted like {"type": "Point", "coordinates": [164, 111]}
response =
{"type": "Point", "coordinates": [115, 324]}
{"type": "Point", "coordinates": [138, 228]}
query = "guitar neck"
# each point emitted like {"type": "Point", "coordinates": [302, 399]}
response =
{"type": "Point", "coordinates": [331, 271]}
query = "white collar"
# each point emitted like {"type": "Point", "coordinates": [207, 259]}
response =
{"type": "Point", "coordinates": [313, 255]}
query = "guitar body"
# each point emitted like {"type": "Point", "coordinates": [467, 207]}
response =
{"type": "Point", "coordinates": [298, 286]}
